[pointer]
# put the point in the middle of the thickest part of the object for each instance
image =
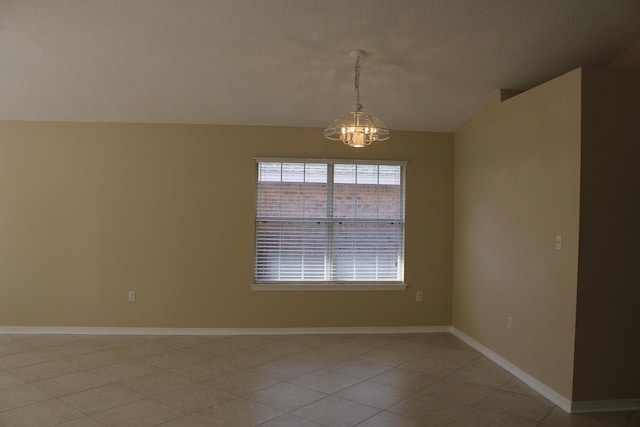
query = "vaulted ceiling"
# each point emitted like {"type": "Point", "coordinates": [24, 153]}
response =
{"type": "Point", "coordinates": [431, 63]}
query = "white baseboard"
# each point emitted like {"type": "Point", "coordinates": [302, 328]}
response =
{"type": "Point", "coordinates": [220, 331]}
{"type": "Point", "coordinates": [579, 407]}
{"type": "Point", "coordinates": [541, 388]}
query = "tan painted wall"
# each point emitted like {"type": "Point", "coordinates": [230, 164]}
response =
{"type": "Point", "coordinates": [91, 211]}
{"type": "Point", "coordinates": [517, 181]}
{"type": "Point", "coordinates": [607, 360]}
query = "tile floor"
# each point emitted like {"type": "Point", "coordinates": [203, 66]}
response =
{"type": "Point", "coordinates": [390, 380]}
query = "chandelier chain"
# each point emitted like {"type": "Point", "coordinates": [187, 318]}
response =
{"type": "Point", "coordinates": [357, 80]}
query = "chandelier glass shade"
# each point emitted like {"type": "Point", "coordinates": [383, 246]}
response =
{"type": "Point", "coordinates": [357, 128]}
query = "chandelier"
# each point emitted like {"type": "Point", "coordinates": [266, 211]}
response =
{"type": "Point", "coordinates": [357, 128]}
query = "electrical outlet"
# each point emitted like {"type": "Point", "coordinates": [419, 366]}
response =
{"type": "Point", "coordinates": [509, 323]}
{"type": "Point", "coordinates": [419, 296]}
{"type": "Point", "coordinates": [558, 242]}
{"type": "Point", "coordinates": [132, 296]}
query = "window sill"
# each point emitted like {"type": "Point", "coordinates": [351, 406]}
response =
{"type": "Point", "coordinates": [328, 287]}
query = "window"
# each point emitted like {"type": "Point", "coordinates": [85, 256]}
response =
{"type": "Point", "coordinates": [329, 222]}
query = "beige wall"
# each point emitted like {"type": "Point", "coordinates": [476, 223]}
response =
{"type": "Point", "coordinates": [91, 211]}
{"type": "Point", "coordinates": [517, 182]}
{"type": "Point", "coordinates": [607, 360]}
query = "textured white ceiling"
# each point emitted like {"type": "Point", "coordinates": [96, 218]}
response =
{"type": "Point", "coordinates": [431, 63]}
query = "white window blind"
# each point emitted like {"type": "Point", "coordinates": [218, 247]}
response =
{"type": "Point", "coordinates": [329, 221]}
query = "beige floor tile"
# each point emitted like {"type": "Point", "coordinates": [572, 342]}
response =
{"type": "Point", "coordinates": [285, 369]}
{"type": "Point", "coordinates": [81, 422]}
{"type": "Point", "coordinates": [235, 343]}
{"type": "Point", "coordinates": [514, 385]}
{"type": "Point", "coordinates": [320, 356]}
{"type": "Point", "coordinates": [232, 343]}
{"type": "Point", "coordinates": [359, 368]}
{"type": "Point", "coordinates": [14, 346]}
{"type": "Point", "coordinates": [98, 359]}
{"type": "Point", "coordinates": [173, 358]}
{"type": "Point", "coordinates": [373, 394]}
{"type": "Point", "coordinates": [194, 398]}
{"type": "Point", "coordinates": [388, 355]}
{"type": "Point", "coordinates": [430, 409]}
{"type": "Point", "coordinates": [285, 397]}
{"type": "Point", "coordinates": [213, 348]}
{"type": "Point", "coordinates": [101, 398]}
{"type": "Point", "coordinates": [247, 342]}
{"type": "Point", "coordinates": [21, 395]}
{"type": "Point", "coordinates": [486, 363]}
{"type": "Point", "coordinates": [152, 337]}
{"type": "Point", "coordinates": [186, 421]}
{"type": "Point", "coordinates": [478, 417]}
{"type": "Point", "coordinates": [144, 413]}
{"type": "Point", "coordinates": [7, 379]}
{"type": "Point", "coordinates": [433, 366]}
{"type": "Point", "coordinates": [336, 412]}
{"type": "Point", "coordinates": [389, 419]}
{"type": "Point", "coordinates": [316, 340]}
{"type": "Point", "coordinates": [45, 370]}
{"type": "Point", "coordinates": [114, 341]}
{"type": "Point", "coordinates": [156, 383]}
{"type": "Point", "coordinates": [518, 405]}
{"type": "Point", "coordinates": [125, 370]}
{"type": "Point", "coordinates": [559, 418]}
{"type": "Point", "coordinates": [421, 379]}
{"type": "Point", "coordinates": [6, 339]}
{"type": "Point", "coordinates": [406, 379]}
{"type": "Point", "coordinates": [290, 420]}
{"type": "Point", "coordinates": [375, 340]}
{"type": "Point", "coordinates": [204, 371]}
{"type": "Point", "coordinates": [75, 349]}
{"type": "Point", "coordinates": [245, 359]}
{"type": "Point", "coordinates": [241, 383]}
{"type": "Point", "coordinates": [260, 340]}
{"type": "Point", "coordinates": [285, 347]}
{"type": "Point", "coordinates": [480, 376]}
{"type": "Point", "coordinates": [455, 343]}
{"type": "Point", "coordinates": [467, 394]}
{"type": "Point", "coordinates": [143, 349]}
{"type": "Point", "coordinates": [412, 348]}
{"type": "Point", "coordinates": [19, 360]}
{"type": "Point", "coordinates": [71, 383]}
{"type": "Point", "coordinates": [436, 338]}
{"type": "Point", "coordinates": [50, 340]}
{"type": "Point", "coordinates": [47, 413]}
{"type": "Point", "coordinates": [346, 348]}
{"type": "Point", "coordinates": [325, 381]}
{"type": "Point", "coordinates": [181, 341]}
{"type": "Point", "coordinates": [238, 413]}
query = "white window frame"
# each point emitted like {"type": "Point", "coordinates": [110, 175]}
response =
{"type": "Point", "coordinates": [333, 285]}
